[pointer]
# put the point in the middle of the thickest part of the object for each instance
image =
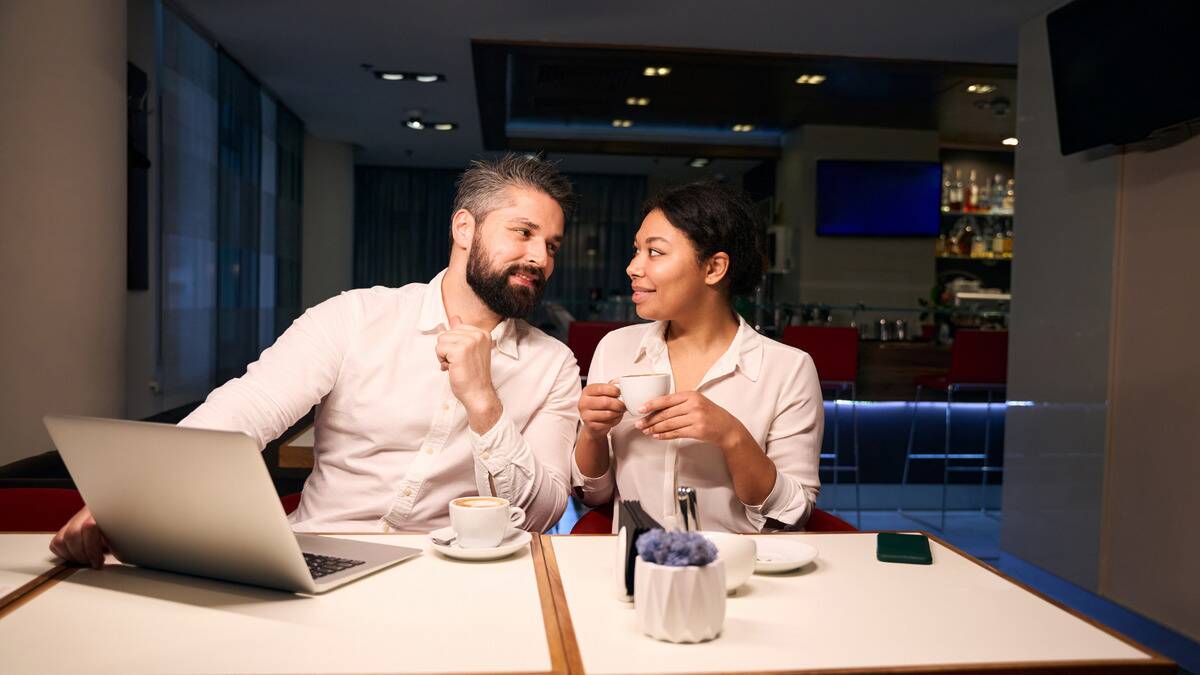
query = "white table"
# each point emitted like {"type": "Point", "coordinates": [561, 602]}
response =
{"type": "Point", "coordinates": [25, 564]}
{"type": "Point", "coordinates": [845, 611]}
{"type": "Point", "coordinates": [427, 614]}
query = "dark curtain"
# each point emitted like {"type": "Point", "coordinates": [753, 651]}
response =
{"type": "Point", "coordinates": [402, 231]}
{"type": "Point", "coordinates": [401, 224]}
{"type": "Point", "coordinates": [238, 237]}
{"type": "Point", "coordinates": [598, 241]}
{"type": "Point", "coordinates": [289, 137]}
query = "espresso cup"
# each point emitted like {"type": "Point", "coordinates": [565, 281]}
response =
{"type": "Point", "coordinates": [637, 390]}
{"type": "Point", "coordinates": [482, 522]}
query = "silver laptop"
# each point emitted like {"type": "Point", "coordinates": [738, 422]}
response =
{"type": "Point", "coordinates": [201, 502]}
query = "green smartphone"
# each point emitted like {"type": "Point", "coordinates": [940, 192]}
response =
{"type": "Point", "coordinates": [912, 549]}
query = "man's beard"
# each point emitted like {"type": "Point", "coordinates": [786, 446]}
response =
{"type": "Point", "coordinates": [492, 286]}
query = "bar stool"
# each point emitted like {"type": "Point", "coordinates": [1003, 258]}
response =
{"type": "Point", "coordinates": [978, 362]}
{"type": "Point", "coordinates": [835, 353]}
{"type": "Point", "coordinates": [584, 336]}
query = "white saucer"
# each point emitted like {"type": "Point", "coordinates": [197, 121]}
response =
{"type": "Point", "coordinates": [514, 541]}
{"type": "Point", "coordinates": [776, 554]}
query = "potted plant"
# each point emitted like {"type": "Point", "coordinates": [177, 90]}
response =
{"type": "Point", "coordinates": [679, 587]}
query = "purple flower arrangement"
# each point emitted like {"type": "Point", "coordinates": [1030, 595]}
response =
{"type": "Point", "coordinates": [675, 549]}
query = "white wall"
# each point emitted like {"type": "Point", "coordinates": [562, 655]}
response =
{"type": "Point", "coordinates": [847, 270]}
{"type": "Point", "coordinates": [327, 222]}
{"type": "Point", "coordinates": [62, 215]}
{"type": "Point", "coordinates": [1102, 455]}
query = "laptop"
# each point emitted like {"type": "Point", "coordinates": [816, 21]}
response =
{"type": "Point", "coordinates": [200, 502]}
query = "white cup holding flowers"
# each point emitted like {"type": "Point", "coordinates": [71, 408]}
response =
{"type": "Point", "coordinates": [679, 587]}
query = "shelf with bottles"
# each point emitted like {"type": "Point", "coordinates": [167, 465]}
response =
{"type": "Point", "coordinates": [975, 195]}
{"type": "Point", "coordinates": [993, 213]}
{"type": "Point", "coordinates": [971, 237]}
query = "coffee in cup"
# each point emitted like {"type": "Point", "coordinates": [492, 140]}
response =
{"type": "Point", "coordinates": [482, 522]}
{"type": "Point", "coordinates": [637, 390]}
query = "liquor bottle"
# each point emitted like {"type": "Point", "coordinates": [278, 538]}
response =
{"type": "Point", "coordinates": [946, 187]}
{"type": "Point", "coordinates": [997, 192]}
{"type": "Point", "coordinates": [979, 244]}
{"type": "Point", "coordinates": [985, 197]}
{"type": "Point", "coordinates": [954, 244]}
{"type": "Point", "coordinates": [998, 241]}
{"type": "Point", "coordinates": [1008, 240]}
{"type": "Point", "coordinates": [966, 238]}
{"type": "Point", "coordinates": [956, 192]}
{"type": "Point", "coordinates": [939, 245]}
{"type": "Point", "coordinates": [971, 199]}
{"type": "Point", "coordinates": [1010, 195]}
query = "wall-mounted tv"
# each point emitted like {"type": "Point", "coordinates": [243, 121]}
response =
{"type": "Point", "coordinates": [1122, 69]}
{"type": "Point", "coordinates": [878, 199]}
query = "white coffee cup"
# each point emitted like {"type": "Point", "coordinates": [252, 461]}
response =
{"type": "Point", "coordinates": [637, 390]}
{"type": "Point", "coordinates": [738, 553]}
{"type": "Point", "coordinates": [482, 522]}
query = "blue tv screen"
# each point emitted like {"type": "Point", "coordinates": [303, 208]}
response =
{"type": "Point", "coordinates": [878, 199]}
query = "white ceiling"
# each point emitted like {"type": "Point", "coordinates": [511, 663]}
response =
{"type": "Point", "coordinates": [309, 52]}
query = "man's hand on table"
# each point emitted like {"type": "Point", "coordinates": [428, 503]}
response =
{"type": "Point", "coordinates": [80, 541]}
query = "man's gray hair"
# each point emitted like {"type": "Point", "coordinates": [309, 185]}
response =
{"type": "Point", "coordinates": [481, 186]}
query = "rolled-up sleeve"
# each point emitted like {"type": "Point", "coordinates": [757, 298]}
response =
{"type": "Point", "coordinates": [794, 446]}
{"type": "Point", "coordinates": [598, 490]}
{"type": "Point", "coordinates": [530, 467]}
{"type": "Point", "coordinates": [289, 377]}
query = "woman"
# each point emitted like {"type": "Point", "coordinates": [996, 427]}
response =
{"type": "Point", "coordinates": [743, 424]}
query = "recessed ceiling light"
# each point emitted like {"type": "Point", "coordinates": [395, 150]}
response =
{"type": "Point", "coordinates": [415, 123]}
{"type": "Point", "coordinates": [1011, 140]}
{"type": "Point", "coordinates": [981, 88]}
{"type": "Point", "coordinates": [810, 79]}
{"type": "Point", "coordinates": [429, 77]}
{"type": "Point", "coordinates": [656, 71]}
{"type": "Point", "coordinates": [698, 162]}
{"type": "Point", "coordinates": [445, 126]}
{"type": "Point", "coordinates": [637, 100]}
{"type": "Point", "coordinates": [622, 124]}
{"type": "Point", "coordinates": [399, 76]}
{"type": "Point", "coordinates": [391, 76]}
{"type": "Point", "coordinates": [741, 128]}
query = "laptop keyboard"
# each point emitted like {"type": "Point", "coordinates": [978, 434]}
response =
{"type": "Point", "coordinates": [324, 565]}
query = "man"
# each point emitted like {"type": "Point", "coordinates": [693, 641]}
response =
{"type": "Point", "coordinates": [426, 392]}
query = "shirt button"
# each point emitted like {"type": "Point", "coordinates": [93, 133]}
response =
{"type": "Point", "coordinates": [407, 492]}
{"type": "Point", "coordinates": [445, 407]}
{"type": "Point", "coordinates": [429, 450]}
{"type": "Point", "coordinates": [485, 455]}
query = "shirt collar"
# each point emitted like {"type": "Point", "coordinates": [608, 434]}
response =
{"type": "Point", "coordinates": [433, 318]}
{"type": "Point", "coordinates": [744, 353]}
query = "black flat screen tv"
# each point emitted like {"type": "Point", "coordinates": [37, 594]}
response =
{"type": "Point", "coordinates": [1123, 69]}
{"type": "Point", "coordinates": [878, 199]}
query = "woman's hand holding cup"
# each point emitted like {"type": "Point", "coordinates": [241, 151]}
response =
{"type": "Point", "coordinates": [600, 408]}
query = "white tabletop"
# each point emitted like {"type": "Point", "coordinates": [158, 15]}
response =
{"type": "Point", "coordinates": [427, 614]}
{"type": "Point", "coordinates": [846, 610]}
{"type": "Point", "coordinates": [23, 558]}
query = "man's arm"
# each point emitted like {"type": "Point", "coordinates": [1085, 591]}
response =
{"type": "Point", "coordinates": [288, 379]}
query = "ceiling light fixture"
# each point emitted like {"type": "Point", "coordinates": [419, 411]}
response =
{"type": "Point", "coordinates": [398, 76]}
{"type": "Point", "coordinates": [622, 124]}
{"type": "Point", "coordinates": [445, 126]}
{"type": "Point", "coordinates": [742, 128]}
{"type": "Point", "coordinates": [1011, 140]}
{"type": "Point", "coordinates": [810, 79]}
{"type": "Point", "coordinates": [698, 162]}
{"type": "Point", "coordinates": [981, 88]}
{"type": "Point", "coordinates": [415, 123]}
{"type": "Point", "coordinates": [637, 100]}
{"type": "Point", "coordinates": [656, 71]}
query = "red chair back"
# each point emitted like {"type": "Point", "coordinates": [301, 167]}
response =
{"type": "Point", "coordinates": [290, 502]}
{"type": "Point", "coordinates": [599, 521]}
{"type": "Point", "coordinates": [583, 336]}
{"type": "Point", "coordinates": [979, 357]}
{"type": "Point", "coordinates": [37, 509]}
{"type": "Point", "coordinates": [833, 350]}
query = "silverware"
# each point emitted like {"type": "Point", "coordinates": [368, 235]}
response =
{"type": "Point", "coordinates": [443, 542]}
{"type": "Point", "coordinates": [686, 498]}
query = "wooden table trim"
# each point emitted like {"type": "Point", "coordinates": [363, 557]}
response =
{"type": "Point", "coordinates": [1154, 664]}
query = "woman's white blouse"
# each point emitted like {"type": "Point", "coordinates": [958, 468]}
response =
{"type": "Point", "coordinates": [770, 387]}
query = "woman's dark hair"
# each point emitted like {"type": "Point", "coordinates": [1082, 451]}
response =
{"type": "Point", "coordinates": [717, 218]}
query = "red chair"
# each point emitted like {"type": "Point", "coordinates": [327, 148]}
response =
{"type": "Point", "coordinates": [290, 502]}
{"type": "Point", "coordinates": [583, 336]}
{"type": "Point", "coordinates": [599, 521]}
{"type": "Point", "coordinates": [37, 509]}
{"type": "Point", "coordinates": [834, 351]}
{"type": "Point", "coordinates": [978, 362]}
